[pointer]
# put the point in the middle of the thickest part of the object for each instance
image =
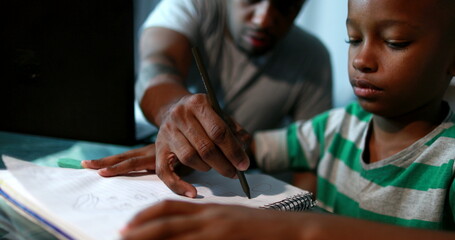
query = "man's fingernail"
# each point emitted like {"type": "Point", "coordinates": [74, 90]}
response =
{"type": "Point", "coordinates": [123, 230]}
{"type": "Point", "coordinates": [243, 165]}
{"type": "Point", "coordinates": [189, 194]}
{"type": "Point", "coordinates": [84, 163]}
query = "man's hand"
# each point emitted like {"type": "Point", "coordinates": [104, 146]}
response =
{"type": "Point", "coordinates": [192, 134]}
{"type": "Point", "coordinates": [134, 160]}
{"type": "Point", "coordinates": [182, 220]}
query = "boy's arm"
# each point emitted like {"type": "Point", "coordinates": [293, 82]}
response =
{"type": "Point", "coordinates": [175, 219]}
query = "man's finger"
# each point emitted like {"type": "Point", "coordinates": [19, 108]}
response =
{"type": "Point", "coordinates": [206, 150]}
{"type": "Point", "coordinates": [165, 163]}
{"type": "Point", "coordinates": [129, 165]}
{"type": "Point", "coordinates": [114, 159]}
{"type": "Point", "coordinates": [178, 144]}
{"type": "Point", "coordinates": [223, 137]}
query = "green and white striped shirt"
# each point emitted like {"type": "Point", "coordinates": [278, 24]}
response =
{"type": "Point", "coordinates": [414, 187]}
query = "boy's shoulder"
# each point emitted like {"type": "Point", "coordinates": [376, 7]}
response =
{"type": "Point", "coordinates": [448, 125]}
{"type": "Point", "coordinates": [351, 118]}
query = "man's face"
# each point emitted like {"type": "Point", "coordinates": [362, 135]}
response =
{"type": "Point", "coordinates": [257, 25]}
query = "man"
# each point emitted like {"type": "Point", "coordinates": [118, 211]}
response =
{"type": "Point", "coordinates": [266, 71]}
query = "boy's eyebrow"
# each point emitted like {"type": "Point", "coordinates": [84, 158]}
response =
{"type": "Point", "coordinates": [386, 23]}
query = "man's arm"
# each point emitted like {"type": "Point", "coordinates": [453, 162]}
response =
{"type": "Point", "coordinates": [190, 132]}
{"type": "Point", "coordinates": [165, 59]}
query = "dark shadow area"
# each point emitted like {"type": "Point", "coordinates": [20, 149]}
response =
{"type": "Point", "coordinates": [67, 69]}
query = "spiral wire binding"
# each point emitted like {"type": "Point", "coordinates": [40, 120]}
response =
{"type": "Point", "coordinates": [296, 203]}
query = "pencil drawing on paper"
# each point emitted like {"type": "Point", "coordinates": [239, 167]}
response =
{"type": "Point", "coordinates": [90, 201]}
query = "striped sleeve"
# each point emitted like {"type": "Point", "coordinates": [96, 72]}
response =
{"type": "Point", "coordinates": [305, 142]}
{"type": "Point", "coordinates": [451, 218]}
{"type": "Point", "coordinates": [271, 150]}
{"type": "Point", "coordinates": [297, 147]}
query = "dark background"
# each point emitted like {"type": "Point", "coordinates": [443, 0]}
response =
{"type": "Point", "coordinates": [67, 69]}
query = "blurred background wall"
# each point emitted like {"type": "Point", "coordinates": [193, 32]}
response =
{"type": "Point", "coordinates": [326, 19]}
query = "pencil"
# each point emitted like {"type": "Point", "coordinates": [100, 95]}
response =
{"type": "Point", "coordinates": [214, 103]}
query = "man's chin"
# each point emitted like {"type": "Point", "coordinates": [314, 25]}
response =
{"type": "Point", "coordinates": [255, 51]}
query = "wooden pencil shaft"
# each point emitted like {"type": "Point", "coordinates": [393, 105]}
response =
{"type": "Point", "coordinates": [206, 81]}
{"type": "Point", "coordinates": [214, 103]}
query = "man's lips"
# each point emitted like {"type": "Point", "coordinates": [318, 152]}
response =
{"type": "Point", "coordinates": [257, 33]}
{"type": "Point", "coordinates": [257, 38]}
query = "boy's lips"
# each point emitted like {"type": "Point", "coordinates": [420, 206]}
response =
{"type": "Point", "coordinates": [365, 89]}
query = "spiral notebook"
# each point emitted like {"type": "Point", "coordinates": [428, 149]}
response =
{"type": "Point", "coordinates": [79, 204]}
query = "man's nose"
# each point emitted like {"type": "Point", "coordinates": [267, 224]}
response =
{"type": "Point", "coordinates": [264, 15]}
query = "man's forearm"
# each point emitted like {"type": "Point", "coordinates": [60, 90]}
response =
{"type": "Point", "coordinates": [159, 86]}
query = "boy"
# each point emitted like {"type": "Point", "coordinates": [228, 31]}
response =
{"type": "Point", "coordinates": [388, 158]}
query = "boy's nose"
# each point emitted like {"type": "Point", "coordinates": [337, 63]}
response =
{"type": "Point", "coordinates": [364, 60]}
{"type": "Point", "coordinates": [263, 15]}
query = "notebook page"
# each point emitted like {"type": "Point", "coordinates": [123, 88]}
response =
{"type": "Point", "coordinates": [17, 197]}
{"type": "Point", "coordinates": [98, 207]}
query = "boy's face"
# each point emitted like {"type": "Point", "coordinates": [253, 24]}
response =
{"type": "Point", "coordinates": [401, 54]}
{"type": "Point", "coordinates": [257, 25]}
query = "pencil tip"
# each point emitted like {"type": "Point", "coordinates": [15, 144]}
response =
{"type": "Point", "coordinates": [247, 193]}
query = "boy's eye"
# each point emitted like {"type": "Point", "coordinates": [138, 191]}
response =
{"type": "Point", "coordinates": [397, 45]}
{"type": "Point", "coordinates": [353, 42]}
